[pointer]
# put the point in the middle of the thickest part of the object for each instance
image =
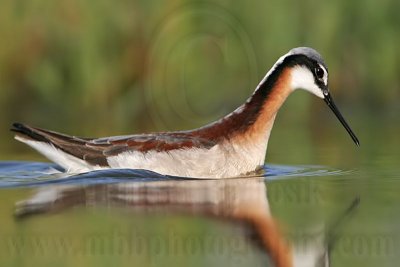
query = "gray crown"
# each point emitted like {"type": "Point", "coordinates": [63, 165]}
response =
{"type": "Point", "coordinates": [309, 52]}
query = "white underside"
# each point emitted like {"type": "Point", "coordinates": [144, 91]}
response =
{"type": "Point", "coordinates": [221, 161]}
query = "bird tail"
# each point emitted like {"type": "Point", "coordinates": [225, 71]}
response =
{"type": "Point", "coordinates": [59, 148]}
{"type": "Point", "coordinates": [29, 133]}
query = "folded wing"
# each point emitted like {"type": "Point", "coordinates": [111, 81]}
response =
{"type": "Point", "coordinates": [95, 151]}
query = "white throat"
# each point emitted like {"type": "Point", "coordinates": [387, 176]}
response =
{"type": "Point", "coordinates": [302, 78]}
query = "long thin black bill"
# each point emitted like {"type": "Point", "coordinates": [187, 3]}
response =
{"type": "Point", "coordinates": [331, 104]}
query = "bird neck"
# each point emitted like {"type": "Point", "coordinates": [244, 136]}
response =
{"type": "Point", "coordinates": [253, 120]}
{"type": "Point", "coordinates": [257, 115]}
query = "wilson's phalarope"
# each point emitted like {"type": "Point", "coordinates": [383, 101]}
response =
{"type": "Point", "coordinates": [232, 146]}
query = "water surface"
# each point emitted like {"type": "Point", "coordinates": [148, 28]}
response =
{"type": "Point", "coordinates": [300, 215]}
{"type": "Point", "coordinates": [341, 211]}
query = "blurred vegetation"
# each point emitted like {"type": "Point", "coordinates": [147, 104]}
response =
{"type": "Point", "coordinates": [98, 67]}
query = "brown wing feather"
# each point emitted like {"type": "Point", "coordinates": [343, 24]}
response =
{"type": "Point", "coordinates": [150, 142]}
{"type": "Point", "coordinates": [96, 151]}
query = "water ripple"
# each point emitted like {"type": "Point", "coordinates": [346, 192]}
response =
{"type": "Point", "coordinates": [274, 171]}
{"type": "Point", "coordinates": [27, 174]}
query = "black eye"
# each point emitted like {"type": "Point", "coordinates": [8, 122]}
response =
{"type": "Point", "coordinates": [319, 72]}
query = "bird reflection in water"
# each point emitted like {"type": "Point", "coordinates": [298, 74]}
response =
{"type": "Point", "coordinates": [241, 200]}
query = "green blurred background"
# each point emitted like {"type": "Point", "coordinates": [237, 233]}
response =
{"type": "Point", "coordinates": [96, 68]}
{"type": "Point", "coordinates": [102, 67]}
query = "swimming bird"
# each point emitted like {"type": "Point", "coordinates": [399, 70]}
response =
{"type": "Point", "coordinates": [232, 146]}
